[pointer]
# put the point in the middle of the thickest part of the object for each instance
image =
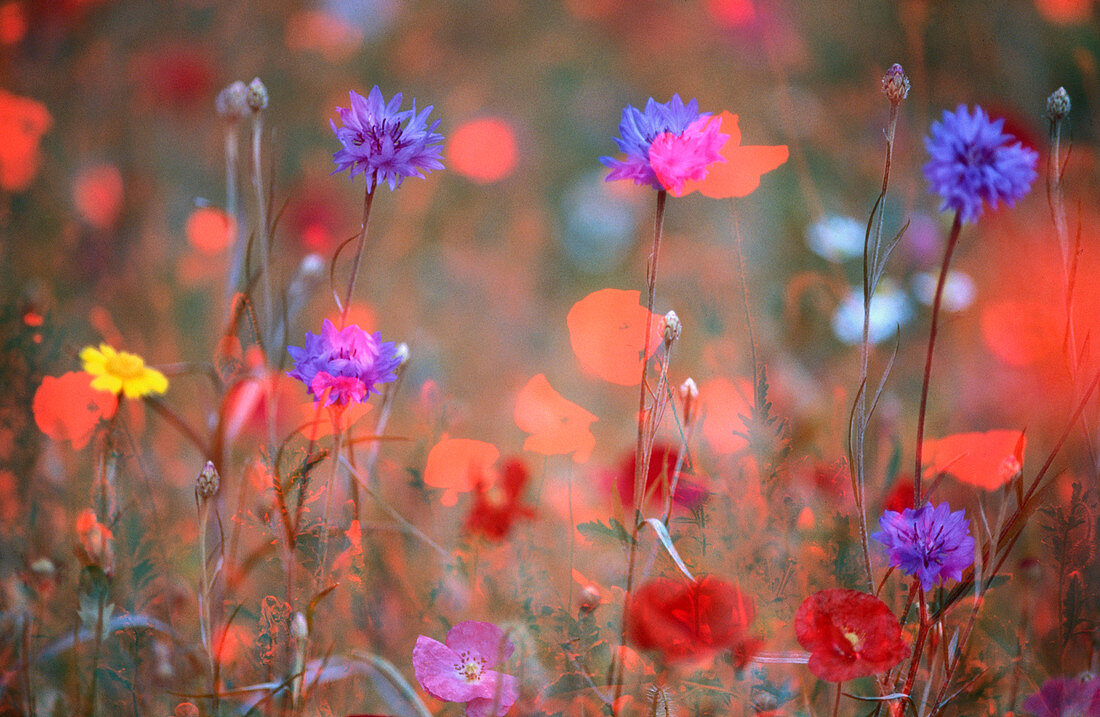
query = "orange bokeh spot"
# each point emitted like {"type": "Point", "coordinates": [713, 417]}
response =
{"type": "Point", "coordinates": [330, 36]}
{"type": "Point", "coordinates": [986, 460]}
{"type": "Point", "coordinates": [1065, 11]}
{"type": "Point", "coordinates": [67, 408]}
{"type": "Point", "coordinates": [483, 150]}
{"type": "Point", "coordinates": [455, 464]}
{"type": "Point", "coordinates": [740, 174]}
{"type": "Point", "coordinates": [1020, 333]}
{"type": "Point", "coordinates": [97, 194]}
{"type": "Point", "coordinates": [23, 121]}
{"type": "Point", "coordinates": [605, 331]}
{"type": "Point", "coordinates": [557, 426]}
{"type": "Point", "coordinates": [724, 402]}
{"type": "Point", "coordinates": [13, 23]}
{"type": "Point", "coordinates": [732, 13]}
{"type": "Point", "coordinates": [210, 230]}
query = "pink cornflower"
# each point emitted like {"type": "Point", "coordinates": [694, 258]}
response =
{"type": "Point", "coordinates": [458, 671]}
{"type": "Point", "coordinates": [344, 365]}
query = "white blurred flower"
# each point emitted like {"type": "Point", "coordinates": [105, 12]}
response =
{"type": "Point", "coordinates": [890, 309]}
{"type": "Point", "coordinates": [836, 237]}
{"type": "Point", "coordinates": [958, 291]}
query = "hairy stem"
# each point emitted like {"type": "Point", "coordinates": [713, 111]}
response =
{"type": "Point", "coordinates": [952, 241]}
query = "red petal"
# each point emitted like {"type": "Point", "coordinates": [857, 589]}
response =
{"type": "Point", "coordinates": [454, 464]}
{"type": "Point", "coordinates": [557, 426]}
{"type": "Point", "coordinates": [740, 174]}
{"type": "Point", "coordinates": [986, 460]}
{"type": "Point", "coordinates": [606, 329]}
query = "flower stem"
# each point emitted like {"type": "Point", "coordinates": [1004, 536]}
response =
{"type": "Point", "coordinates": [952, 240]}
{"type": "Point", "coordinates": [329, 487]}
{"type": "Point", "coordinates": [231, 153]}
{"type": "Point", "coordinates": [368, 200]}
{"type": "Point", "coordinates": [644, 442]}
{"type": "Point", "coordinates": [922, 634]}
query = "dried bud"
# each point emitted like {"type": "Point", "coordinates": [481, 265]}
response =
{"type": "Point", "coordinates": [96, 544]}
{"type": "Point", "coordinates": [257, 95]}
{"type": "Point", "coordinates": [1058, 104]}
{"type": "Point", "coordinates": [299, 627]}
{"type": "Point", "coordinates": [589, 599]}
{"type": "Point", "coordinates": [43, 568]}
{"type": "Point", "coordinates": [206, 485]}
{"type": "Point", "coordinates": [232, 102]}
{"type": "Point", "coordinates": [895, 84]}
{"type": "Point", "coordinates": [185, 709]}
{"type": "Point", "coordinates": [689, 394]}
{"type": "Point", "coordinates": [673, 327]}
{"type": "Point", "coordinates": [402, 353]}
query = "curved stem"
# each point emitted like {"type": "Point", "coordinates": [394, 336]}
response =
{"type": "Point", "coordinates": [952, 240]}
{"type": "Point", "coordinates": [368, 200]}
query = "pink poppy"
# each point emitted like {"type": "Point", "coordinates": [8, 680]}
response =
{"type": "Point", "coordinates": [459, 671]}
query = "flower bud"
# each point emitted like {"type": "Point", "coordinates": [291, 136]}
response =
{"type": "Point", "coordinates": [96, 543]}
{"type": "Point", "coordinates": [402, 353]}
{"type": "Point", "coordinates": [257, 95]}
{"type": "Point", "coordinates": [895, 84]}
{"type": "Point", "coordinates": [299, 628]}
{"type": "Point", "coordinates": [673, 327]}
{"type": "Point", "coordinates": [1058, 104]}
{"type": "Point", "coordinates": [206, 485]}
{"type": "Point", "coordinates": [689, 395]}
{"type": "Point", "coordinates": [232, 102]}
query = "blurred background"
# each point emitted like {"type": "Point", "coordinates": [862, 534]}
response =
{"type": "Point", "coordinates": [111, 151]}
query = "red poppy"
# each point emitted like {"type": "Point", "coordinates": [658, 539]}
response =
{"type": "Point", "coordinates": [662, 467]}
{"type": "Point", "coordinates": [67, 408]}
{"type": "Point", "coordinates": [849, 634]}
{"type": "Point", "coordinates": [454, 465]}
{"type": "Point", "coordinates": [686, 622]}
{"type": "Point", "coordinates": [497, 506]}
{"type": "Point", "coordinates": [607, 333]}
{"type": "Point", "coordinates": [901, 496]}
{"type": "Point", "coordinates": [987, 460]}
{"type": "Point", "coordinates": [740, 174]}
{"type": "Point", "coordinates": [557, 425]}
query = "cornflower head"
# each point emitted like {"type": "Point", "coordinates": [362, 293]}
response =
{"type": "Point", "coordinates": [384, 142]}
{"type": "Point", "coordinates": [343, 366]}
{"type": "Point", "coordinates": [666, 145]}
{"type": "Point", "coordinates": [930, 542]}
{"type": "Point", "coordinates": [120, 372]}
{"type": "Point", "coordinates": [973, 161]}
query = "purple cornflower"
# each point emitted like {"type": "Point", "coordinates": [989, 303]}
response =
{"type": "Point", "coordinates": [972, 161]}
{"type": "Point", "coordinates": [931, 543]}
{"type": "Point", "coordinates": [378, 146]}
{"type": "Point", "coordinates": [1066, 697]}
{"type": "Point", "coordinates": [343, 366]}
{"type": "Point", "coordinates": [666, 145]}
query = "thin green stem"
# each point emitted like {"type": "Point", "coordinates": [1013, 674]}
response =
{"type": "Point", "coordinates": [952, 241]}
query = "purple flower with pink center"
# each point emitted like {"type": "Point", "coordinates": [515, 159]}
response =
{"type": "Point", "coordinates": [930, 543]}
{"type": "Point", "coordinates": [343, 366]}
{"type": "Point", "coordinates": [460, 670]}
{"type": "Point", "coordinates": [666, 145]}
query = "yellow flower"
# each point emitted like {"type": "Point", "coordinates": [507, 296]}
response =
{"type": "Point", "coordinates": [121, 372]}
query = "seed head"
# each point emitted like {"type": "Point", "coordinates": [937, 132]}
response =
{"type": "Point", "coordinates": [206, 485]}
{"type": "Point", "coordinates": [232, 102]}
{"type": "Point", "coordinates": [895, 84]}
{"type": "Point", "coordinates": [257, 95]}
{"type": "Point", "coordinates": [1058, 104]}
{"type": "Point", "coordinates": [673, 327]}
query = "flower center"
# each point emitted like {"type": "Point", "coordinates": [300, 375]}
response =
{"type": "Point", "coordinates": [125, 366]}
{"type": "Point", "coordinates": [373, 136]}
{"type": "Point", "coordinates": [469, 667]}
{"type": "Point", "coordinates": [853, 638]}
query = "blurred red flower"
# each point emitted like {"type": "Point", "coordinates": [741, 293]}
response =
{"type": "Point", "coordinates": [662, 467]}
{"type": "Point", "coordinates": [67, 408]}
{"type": "Point", "coordinates": [901, 496]}
{"type": "Point", "coordinates": [691, 621]}
{"type": "Point", "coordinates": [497, 506]}
{"type": "Point", "coordinates": [849, 634]}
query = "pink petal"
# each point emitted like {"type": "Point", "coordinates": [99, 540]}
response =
{"type": "Point", "coordinates": [480, 639]}
{"type": "Point", "coordinates": [483, 706]}
{"type": "Point", "coordinates": [434, 666]}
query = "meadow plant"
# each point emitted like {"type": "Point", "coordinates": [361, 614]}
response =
{"type": "Point", "coordinates": [722, 564]}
